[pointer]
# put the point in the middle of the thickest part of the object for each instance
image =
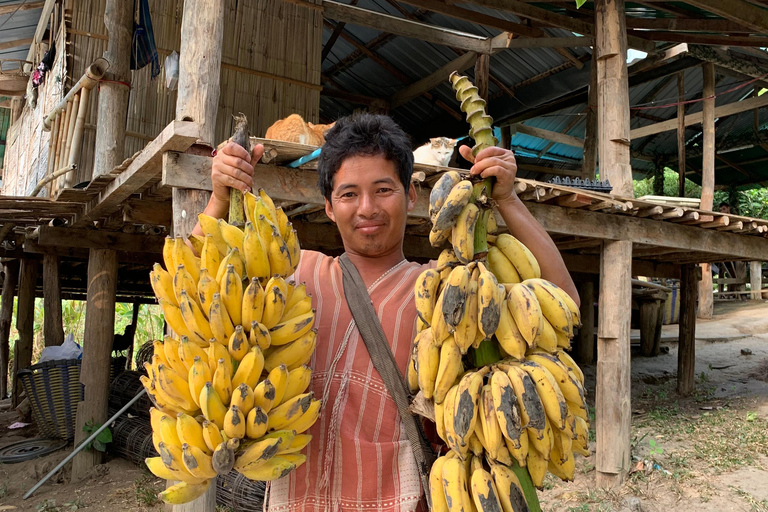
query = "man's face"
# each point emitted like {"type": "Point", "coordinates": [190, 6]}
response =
{"type": "Point", "coordinates": [369, 205]}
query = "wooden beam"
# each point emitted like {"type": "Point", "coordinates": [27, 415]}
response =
{"type": "Point", "coordinates": [585, 339]}
{"type": "Point", "coordinates": [337, 30]}
{"type": "Point", "coordinates": [42, 26]}
{"type": "Point", "coordinates": [541, 133]}
{"type": "Point", "coordinates": [405, 28]}
{"type": "Point", "coordinates": [744, 13]}
{"type": "Point", "coordinates": [686, 25]}
{"type": "Point", "coordinates": [53, 326]}
{"type": "Point", "coordinates": [756, 279]}
{"type": "Point", "coordinates": [15, 44]}
{"type": "Point", "coordinates": [686, 355]}
{"type": "Point", "coordinates": [706, 299]}
{"type": "Point", "coordinates": [704, 39]}
{"type": "Point", "coordinates": [11, 8]}
{"type": "Point", "coordinates": [99, 239]}
{"type": "Point", "coordinates": [11, 270]}
{"type": "Point", "coordinates": [680, 135]}
{"type": "Point", "coordinates": [177, 136]}
{"type": "Point", "coordinates": [589, 156]}
{"type": "Point", "coordinates": [371, 102]}
{"type": "Point", "coordinates": [544, 42]}
{"type": "Point", "coordinates": [25, 320]}
{"type": "Point", "coordinates": [476, 17]}
{"type": "Point", "coordinates": [744, 65]}
{"type": "Point", "coordinates": [431, 81]}
{"type": "Point", "coordinates": [725, 110]}
{"type": "Point", "coordinates": [482, 74]}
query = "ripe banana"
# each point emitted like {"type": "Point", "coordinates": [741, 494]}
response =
{"type": "Point", "coordinates": [173, 318]}
{"type": "Point", "coordinates": [183, 255]}
{"type": "Point", "coordinates": [570, 387]}
{"type": "Point", "coordinates": [501, 267]}
{"type": "Point", "coordinates": [210, 257]}
{"type": "Point", "coordinates": [449, 369]}
{"type": "Point", "coordinates": [197, 462]}
{"type": "Point", "coordinates": [466, 404]}
{"type": "Point", "coordinates": [525, 309]}
{"type": "Point", "coordinates": [529, 404]}
{"type": "Point", "coordinates": [222, 381]}
{"type": "Point", "coordinates": [256, 423]}
{"type": "Point", "coordinates": [521, 257]}
{"type": "Point", "coordinates": [232, 294]}
{"type": "Point", "coordinates": [454, 296]}
{"type": "Point", "coordinates": [549, 392]}
{"type": "Point", "coordinates": [505, 404]}
{"type": "Point", "coordinates": [234, 257]}
{"type": "Point", "coordinates": [210, 226]}
{"type": "Point", "coordinates": [243, 398]}
{"type": "Point", "coordinates": [291, 329]}
{"type": "Point", "coordinates": [425, 294]}
{"type": "Point", "coordinates": [218, 351]}
{"type": "Point", "coordinates": [190, 432]}
{"type": "Point", "coordinates": [508, 335]}
{"type": "Point", "coordinates": [489, 424]}
{"type": "Point", "coordinates": [258, 453]}
{"type": "Point", "coordinates": [232, 235]}
{"type": "Point", "coordinates": [188, 351]}
{"type": "Point", "coordinates": [206, 288]}
{"type": "Point", "coordinates": [457, 198]}
{"type": "Point", "coordinates": [440, 191]}
{"type": "Point", "coordinates": [277, 467]}
{"type": "Point", "coordinates": [568, 361]}
{"type": "Point", "coordinates": [253, 304]}
{"type": "Point", "coordinates": [427, 362]}
{"type": "Point", "coordinates": [510, 491]}
{"type": "Point", "coordinates": [238, 345]}
{"type": "Point", "coordinates": [162, 284]}
{"type": "Point", "coordinates": [463, 233]}
{"type": "Point", "coordinates": [283, 415]}
{"type": "Point", "coordinates": [438, 238]}
{"type": "Point", "coordinates": [306, 420]}
{"type": "Point", "coordinates": [160, 470]}
{"type": "Point", "coordinates": [183, 492]}
{"type": "Point", "coordinates": [264, 395]}
{"type": "Point", "coordinates": [484, 492]}
{"type": "Point", "coordinates": [249, 369]}
{"type": "Point", "coordinates": [211, 405]}
{"type": "Point", "coordinates": [279, 255]}
{"type": "Point", "coordinates": [182, 280]}
{"type": "Point", "coordinates": [259, 336]}
{"type": "Point", "coordinates": [466, 332]}
{"type": "Point", "coordinates": [219, 320]}
{"type": "Point", "coordinates": [454, 478]}
{"type": "Point", "coordinates": [274, 304]}
{"type": "Point", "coordinates": [490, 301]}
{"type": "Point", "coordinates": [293, 352]}
{"type": "Point", "coordinates": [547, 340]}
{"type": "Point", "coordinates": [553, 306]}
{"type": "Point", "coordinates": [197, 324]}
{"type": "Point", "coordinates": [234, 423]}
{"type": "Point", "coordinates": [255, 253]}
{"type": "Point", "coordinates": [211, 435]}
{"type": "Point", "coordinates": [440, 331]}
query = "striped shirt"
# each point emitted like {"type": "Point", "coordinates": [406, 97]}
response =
{"type": "Point", "coordinates": [359, 457]}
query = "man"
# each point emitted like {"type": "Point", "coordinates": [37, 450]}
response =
{"type": "Point", "coordinates": [359, 457]}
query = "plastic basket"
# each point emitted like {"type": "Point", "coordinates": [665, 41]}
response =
{"type": "Point", "coordinates": [54, 389]}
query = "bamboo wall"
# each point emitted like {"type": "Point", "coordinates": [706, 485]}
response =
{"type": "Point", "coordinates": [260, 37]}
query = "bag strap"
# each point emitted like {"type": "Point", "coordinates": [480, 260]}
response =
{"type": "Point", "coordinates": [369, 326]}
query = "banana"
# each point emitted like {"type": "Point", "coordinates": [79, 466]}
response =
{"type": "Point", "coordinates": [168, 253]}
{"type": "Point", "coordinates": [183, 255]}
{"type": "Point", "coordinates": [299, 442]}
{"type": "Point", "coordinates": [264, 395]}
{"type": "Point", "coordinates": [238, 345]}
{"type": "Point", "coordinates": [234, 423]}
{"type": "Point", "coordinates": [445, 263]}
{"type": "Point", "coordinates": [155, 415]}
{"type": "Point", "coordinates": [197, 324]}
{"type": "Point", "coordinates": [439, 504]}
{"type": "Point", "coordinates": [463, 235]}
{"type": "Point", "coordinates": [176, 387]}
{"type": "Point", "coordinates": [440, 419]}
{"type": "Point", "coordinates": [274, 305]}
{"type": "Point", "coordinates": [520, 449]}
{"type": "Point", "coordinates": [440, 331]}
{"type": "Point", "coordinates": [572, 306]}
{"type": "Point", "coordinates": [197, 242]}
{"type": "Point", "coordinates": [210, 257]}
{"type": "Point", "coordinates": [568, 361]}
{"type": "Point", "coordinates": [501, 267]}
{"type": "Point", "coordinates": [294, 249]}
{"type": "Point", "coordinates": [490, 301]}
{"type": "Point", "coordinates": [427, 362]}
{"type": "Point", "coordinates": [219, 320]}
{"type": "Point", "coordinates": [206, 287]}
{"type": "Point", "coordinates": [448, 370]}
{"type": "Point", "coordinates": [491, 226]}
{"type": "Point", "coordinates": [255, 254]}
{"type": "Point", "coordinates": [525, 309]}
{"type": "Point", "coordinates": [256, 423]}
{"type": "Point", "coordinates": [505, 404]}
{"type": "Point", "coordinates": [581, 437]}
{"type": "Point", "coordinates": [211, 435]}
{"type": "Point", "coordinates": [537, 467]}
{"type": "Point", "coordinates": [457, 198]}
{"type": "Point", "coordinates": [521, 257]}
{"type": "Point", "coordinates": [532, 413]}
{"type": "Point", "coordinates": [211, 405]}
{"type": "Point", "coordinates": [553, 306]}
{"type": "Point", "coordinates": [188, 351]}
{"type": "Point", "coordinates": [562, 465]}
{"type": "Point", "coordinates": [292, 329]}
{"type": "Point", "coordinates": [249, 369]}
{"type": "Point", "coordinates": [569, 386]}
{"type": "Point", "coordinates": [563, 341]}
{"type": "Point", "coordinates": [279, 254]}
{"type": "Point", "coordinates": [243, 398]}
{"type": "Point", "coordinates": [277, 467]}
{"type": "Point", "coordinates": [466, 404]}
{"type": "Point", "coordinates": [265, 206]}
{"type": "Point", "coordinates": [454, 296]}
{"type": "Point", "coordinates": [253, 304]}
{"type": "Point", "coordinates": [561, 448]}
{"type": "Point", "coordinates": [293, 352]}
{"type": "Point", "coordinates": [510, 494]}
{"type": "Point", "coordinates": [218, 351]}
{"type": "Point", "coordinates": [210, 226]}
{"type": "Point", "coordinates": [190, 432]}
{"type": "Point", "coordinates": [173, 318]}
{"type": "Point", "coordinates": [162, 284]}
{"type": "Point", "coordinates": [171, 353]}
{"type": "Point", "coordinates": [232, 294]}
{"type": "Point", "coordinates": [197, 462]}
{"type": "Point", "coordinates": [249, 204]}
{"type": "Point", "coordinates": [454, 478]}
{"type": "Point", "coordinates": [232, 235]}
{"type": "Point", "coordinates": [489, 424]}
{"type": "Point", "coordinates": [484, 492]}
{"type": "Point", "coordinates": [296, 294]}
{"type": "Point", "coordinates": [168, 431]}
{"type": "Point", "coordinates": [466, 333]}
{"type": "Point", "coordinates": [279, 377]}
{"type": "Point", "coordinates": [508, 335]}
{"type": "Point", "coordinates": [439, 237]}
{"type": "Point", "coordinates": [183, 492]}
{"type": "Point", "coordinates": [549, 392]}
{"type": "Point", "coordinates": [452, 439]}
{"type": "Point", "coordinates": [425, 294]}
{"type": "Point", "coordinates": [282, 222]}
{"type": "Point", "coordinates": [300, 308]}
{"type": "Point", "coordinates": [259, 336]}
{"type": "Point", "coordinates": [258, 453]}
{"type": "Point", "coordinates": [440, 191]}
{"type": "Point", "coordinates": [234, 257]}
{"type": "Point", "coordinates": [284, 414]}
{"type": "Point", "coordinates": [547, 340]}
{"type": "Point", "coordinates": [182, 280]}
{"type": "Point", "coordinates": [160, 470]}
{"type": "Point", "coordinates": [412, 376]}
{"type": "Point", "coordinates": [222, 381]}
{"type": "Point", "coordinates": [223, 459]}
{"type": "Point", "coordinates": [306, 420]}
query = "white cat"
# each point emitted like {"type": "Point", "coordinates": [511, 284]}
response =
{"type": "Point", "coordinates": [437, 151]}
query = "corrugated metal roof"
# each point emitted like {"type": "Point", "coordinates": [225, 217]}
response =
{"type": "Point", "coordinates": [15, 26]}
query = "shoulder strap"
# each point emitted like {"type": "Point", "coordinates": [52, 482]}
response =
{"type": "Point", "coordinates": [359, 302]}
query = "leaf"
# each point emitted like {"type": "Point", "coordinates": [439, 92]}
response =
{"type": "Point", "coordinates": [579, 3]}
{"type": "Point", "coordinates": [751, 416]}
{"type": "Point", "coordinates": [105, 436]}
{"type": "Point", "coordinates": [99, 446]}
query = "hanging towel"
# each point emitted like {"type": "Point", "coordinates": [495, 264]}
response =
{"type": "Point", "coordinates": [143, 49]}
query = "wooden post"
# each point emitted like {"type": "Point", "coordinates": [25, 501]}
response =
{"type": "Point", "coordinates": [98, 336]}
{"type": "Point", "coordinates": [755, 280]}
{"type": "Point", "coordinates": [202, 28]}
{"type": "Point", "coordinates": [706, 298]}
{"type": "Point", "coordinates": [650, 327]}
{"type": "Point", "coordinates": [482, 72]}
{"type": "Point", "coordinates": [686, 351]}
{"type": "Point", "coordinates": [658, 179]}
{"type": "Point", "coordinates": [613, 408]}
{"type": "Point", "coordinates": [25, 322]}
{"type": "Point", "coordinates": [53, 326]}
{"type": "Point", "coordinates": [589, 162]}
{"type": "Point", "coordinates": [11, 270]}
{"type": "Point", "coordinates": [585, 340]}
{"type": "Point", "coordinates": [681, 134]}
{"type": "Point", "coordinates": [506, 137]}
{"type": "Point", "coordinates": [113, 94]}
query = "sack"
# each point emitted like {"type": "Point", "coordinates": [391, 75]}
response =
{"type": "Point", "coordinates": [172, 71]}
{"type": "Point", "coordinates": [67, 350]}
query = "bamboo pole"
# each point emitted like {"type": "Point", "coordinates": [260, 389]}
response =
{"type": "Point", "coordinates": [60, 143]}
{"type": "Point", "coordinates": [52, 146]}
{"type": "Point", "coordinates": [92, 75]}
{"type": "Point", "coordinates": [52, 177]}
{"type": "Point", "coordinates": [77, 136]}
{"type": "Point", "coordinates": [70, 132]}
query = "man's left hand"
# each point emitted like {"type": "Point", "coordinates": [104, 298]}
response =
{"type": "Point", "coordinates": [497, 162]}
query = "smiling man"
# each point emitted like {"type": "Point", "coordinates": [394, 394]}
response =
{"type": "Point", "coordinates": [359, 457]}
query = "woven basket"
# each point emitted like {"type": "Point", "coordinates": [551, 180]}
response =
{"type": "Point", "coordinates": [144, 355]}
{"type": "Point", "coordinates": [54, 389]}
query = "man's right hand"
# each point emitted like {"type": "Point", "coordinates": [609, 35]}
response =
{"type": "Point", "coordinates": [232, 168]}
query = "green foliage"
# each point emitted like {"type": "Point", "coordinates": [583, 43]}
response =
{"type": "Point", "coordinates": [101, 441]}
{"type": "Point", "coordinates": [645, 187]}
{"type": "Point", "coordinates": [579, 3]}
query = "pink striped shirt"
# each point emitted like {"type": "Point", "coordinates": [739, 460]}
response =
{"type": "Point", "coordinates": [359, 457]}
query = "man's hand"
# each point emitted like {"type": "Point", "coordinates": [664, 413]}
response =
{"type": "Point", "coordinates": [232, 168]}
{"type": "Point", "coordinates": [498, 162]}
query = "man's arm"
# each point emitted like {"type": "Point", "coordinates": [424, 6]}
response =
{"type": "Point", "coordinates": [500, 163]}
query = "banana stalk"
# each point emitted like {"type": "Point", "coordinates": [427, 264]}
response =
{"type": "Point", "coordinates": [529, 491]}
{"type": "Point", "coordinates": [241, 137]}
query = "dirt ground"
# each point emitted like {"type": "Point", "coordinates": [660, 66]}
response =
{"type": "Point", "coordinates": [707, 453]}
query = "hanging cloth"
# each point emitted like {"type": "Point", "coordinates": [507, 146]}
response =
{"type": "Point", "coordinates": [143, 49]}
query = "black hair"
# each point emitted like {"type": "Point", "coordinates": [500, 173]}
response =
{"type": "Point", "coordinates": [723, 203]}
{"type": "Point", "coordinates": [368, 135]}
